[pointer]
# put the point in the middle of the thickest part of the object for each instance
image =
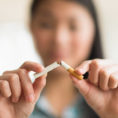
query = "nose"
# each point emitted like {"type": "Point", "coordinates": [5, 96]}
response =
{"type": "Point", "coordinates": [61, 36]}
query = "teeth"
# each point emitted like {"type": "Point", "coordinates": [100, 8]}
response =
{"type": "Point", "coordinates": [66, 66]}
{"type": "Point", "coordinates": [47, 69]}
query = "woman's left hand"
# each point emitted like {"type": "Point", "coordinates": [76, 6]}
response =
{"type": "Point", "coordinates": [101, 89]}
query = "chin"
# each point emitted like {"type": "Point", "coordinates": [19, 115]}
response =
{"type": "Point", "coordinates": [59, 71]}
{"type": "Point", "coordinates": [68, 60]}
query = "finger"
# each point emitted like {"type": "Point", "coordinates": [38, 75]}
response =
{"type": "Point", "coordinates": [32, 66]}
{"type": "Point", "coordinates": [15, 85]}
{"type": "Point", "coordinates": [7, 72]}
{"type": "Point", "coordinates": [40, 82]}
{"type": "Point", "coordinates": [87, 89]}
{"type": "Point", "coordinates": [25, 80]}
{"type": "Point", "coordinates": [90, 92]}
{"type": "Point", "coordinates": [38, 85]}
{"type": "Point", "coordinates": [113, 80]}
{"type": "Point", "coordinates": [5, 88]}
{"type": "Point", "coordinates": [104, 76]}
{"type": "Point", "coordinates": [82, 86]}
{"type": "Point", "coordinates": [83, 68]}
{"type": "Point", "coordinates": [94, 69]}
{"type": "Point", "coordinates": [26, 84]}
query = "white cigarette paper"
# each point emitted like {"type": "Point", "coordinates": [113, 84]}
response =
{"type": "Point", "coordinates": [47, 69]}
{"type": "Point", "coordinates": [66, 66]}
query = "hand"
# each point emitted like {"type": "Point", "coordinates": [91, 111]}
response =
{"type": "Point", "coordinates": [101, 89]}
{"type": "Point", "coordinates": [17, 93]}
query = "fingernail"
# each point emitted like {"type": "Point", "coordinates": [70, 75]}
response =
{"type": "Point", "coordinates": [30, 98]}
{"type": "Point", "coordinates": [44, 76]}
{"type": "Point", "coordinates": [80, 71]}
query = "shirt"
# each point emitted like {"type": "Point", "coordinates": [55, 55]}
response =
{"type": "Point", "coordinates": [79, 109]}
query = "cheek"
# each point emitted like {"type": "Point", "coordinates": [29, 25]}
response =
{"type": "Point", "coordinates": [42, 40]}
{"type": "Point", "coordinates": [83, 40]}
{"type": "Point", "coordinates": [81, 46]}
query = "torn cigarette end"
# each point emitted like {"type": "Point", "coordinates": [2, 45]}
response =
{"type": "Point", "coordinates": [55, 65]}
{"type": "Point", "coordinates": [47, 69]}
{"type": "Point", "coordinates": [71, 70]}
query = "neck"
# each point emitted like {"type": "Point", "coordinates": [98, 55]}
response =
{"type": "Point", "coordinates": [59, 91]}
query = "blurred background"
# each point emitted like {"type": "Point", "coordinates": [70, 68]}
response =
{"type": "Point", "coordinates": [16, 44]}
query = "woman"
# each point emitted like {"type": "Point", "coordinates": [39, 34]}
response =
{"type": "Point", "coordinates": [62, 30]}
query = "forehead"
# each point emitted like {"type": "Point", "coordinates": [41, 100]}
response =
{"type": "Point", "coordinates": [57, 8]}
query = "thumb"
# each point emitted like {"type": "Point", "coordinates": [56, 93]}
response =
{"type": "Point", "coordinates": [83, 86]}
{"type": "Point", "coordinates": [38, 85]}
{"type": "Point", "coordinates": [89, 91]}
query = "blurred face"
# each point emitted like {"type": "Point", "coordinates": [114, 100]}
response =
{"type": "Point", "coordinates": [62, 30]}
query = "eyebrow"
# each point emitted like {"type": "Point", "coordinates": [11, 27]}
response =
{"type": "Point", "coordinates": [48, 14]}
{"type": "Point", "coordinates": [45, 14]}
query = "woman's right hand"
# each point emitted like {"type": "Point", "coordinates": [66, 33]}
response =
{"type": "Point", "coordinates": [18, 94]}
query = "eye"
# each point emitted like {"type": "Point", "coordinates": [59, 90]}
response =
{"type": "Point", "coordinates": [45, 25]}
{"type": "Point", "coordinates": [73, 27]}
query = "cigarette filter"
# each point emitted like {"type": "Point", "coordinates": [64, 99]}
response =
{"type": "Point", "coordinates": [71, 70]}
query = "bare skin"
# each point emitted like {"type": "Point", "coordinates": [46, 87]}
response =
{"type": "Point", "coordinates": [61, 34]}
{"type": "Point", "coordinates": [65, 34]}
{"type": "Point", "coordinates": [54, 92]}
{"type": "Point", "coordinates": [66, 45]}
{"type": "Point", "coordinates": [17, 94]}
{"type": "Point", "coordinates": [101, 89]}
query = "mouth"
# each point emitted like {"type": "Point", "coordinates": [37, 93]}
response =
{"type": "Point", "coordinates": [59, 56]}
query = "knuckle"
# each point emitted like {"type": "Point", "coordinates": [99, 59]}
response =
{"type": "Point", "coordinates": [95, 63]}
{"type": "Point", "coordinates": [29, 86]}
{"type": "Point", "coordinates": [28, 89]}
{"type": "Point", "coordinates": [5, 91]}
{"type": "Point", "coordinates": [6, 72]}
{"type": "Point", "coordinates": [94, 82]}
{"type": "Point", "coordinates": [16, 95]}
{"type": "Point", "coordinates": [113, 87]}
{"type": "Point", "coordinates": [4, 84]}
{"type": "Point", "coordinates": [103, 72]}
{"type": "Point", "coordinates": [112, 79]}
{"type": "Point", "coordinates": [13, 77]}
{"type": "Point", "coordinates": [21, 71]}
{"type": "Point", "coordinates": [26, 63]}
{"type": "Point", "coordinates": [104, 88]}
{"type": "Point", "coordinates": [8, 95]}
{"type": "Point", "coordinates": [16, 92]}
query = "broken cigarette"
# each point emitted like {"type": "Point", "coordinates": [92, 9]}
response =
{"type": "Point", "coordinates": [47, 69]}
{"type": "Point", "coordinates": [55, 65]}
{"type": "Point", "coordinates": [71, 70]}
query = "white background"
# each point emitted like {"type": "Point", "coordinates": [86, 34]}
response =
{"type": "Point", "coordinates": [16, 44]}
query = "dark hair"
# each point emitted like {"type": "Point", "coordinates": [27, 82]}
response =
{"type": "Point", "coordinates": [96, 51]}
